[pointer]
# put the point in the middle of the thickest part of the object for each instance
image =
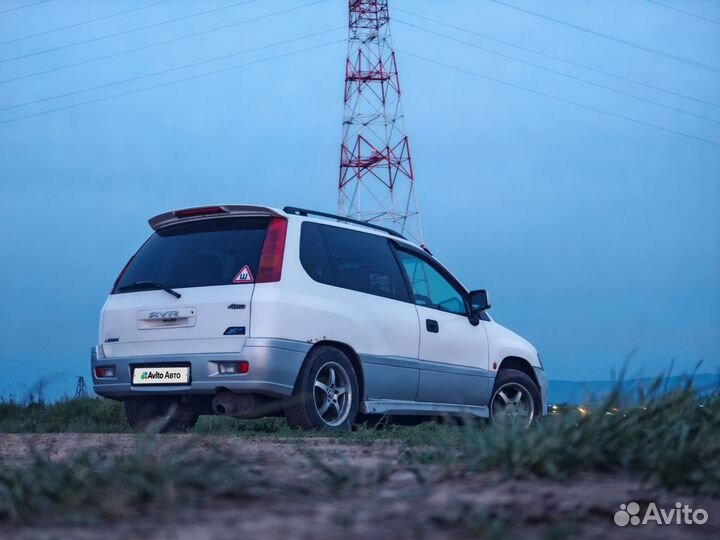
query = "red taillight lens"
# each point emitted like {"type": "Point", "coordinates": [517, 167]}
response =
{"type": "Point", "coordinates": [271, 258]}
{"type": "Point", "coordinates": [200, 211]}
{"type": "Point", "coordinates": [233, 368]}
{"type": "Point", "coordinates": [102, 372]}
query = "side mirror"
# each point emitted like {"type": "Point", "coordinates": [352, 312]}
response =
{"type": "Point", "coordinates": [479, 301]}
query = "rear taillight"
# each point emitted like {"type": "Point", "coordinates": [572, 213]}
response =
{"type": "Point", "coordinates": [233, 368]}
{"type": "Point", "coordinates": [271, 258]}
{"type": "Point", "coordinates": [105, 372]}
{"type": "Point", "coordinates": [200, 211]}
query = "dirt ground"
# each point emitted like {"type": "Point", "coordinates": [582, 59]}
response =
{"type": "Point", "coordinates": [433, 504]}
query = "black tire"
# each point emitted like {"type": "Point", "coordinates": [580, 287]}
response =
{"type": "Point", "coordinates": [513, 378]}
{"type": "Point", "coordinates": [302, 410]}
{"type": "Point", "coordinates": [158, 415]}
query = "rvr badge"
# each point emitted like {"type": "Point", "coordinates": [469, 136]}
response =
{"type": "Point", "coordinates": [164, 314]}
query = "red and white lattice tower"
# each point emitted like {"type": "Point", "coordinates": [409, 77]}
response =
{"type": "Point", "coordinates": [376, 175]}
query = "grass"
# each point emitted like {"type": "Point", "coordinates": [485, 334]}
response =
{"type": "Point", "coordinates": [84, 415]}
{"type": "Point", "coordinates": [93, 485]}
{"type": "Point", "coordinates": [669, 439]}
{"type": "Point", "coordinates": [90, 415]}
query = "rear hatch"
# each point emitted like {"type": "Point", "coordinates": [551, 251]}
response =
{"type": "Point", "coordinates": [211, 264]}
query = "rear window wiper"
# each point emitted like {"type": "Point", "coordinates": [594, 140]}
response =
{"type": "Point", "coordinates": [138, 285]}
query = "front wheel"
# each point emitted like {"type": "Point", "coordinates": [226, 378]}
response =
{"type": "Point", "coordinates": [515, 398]}
{"type": "Point", "coordinates": [326, 394]}
{"type": "Point", "coordinates": [158, 415]}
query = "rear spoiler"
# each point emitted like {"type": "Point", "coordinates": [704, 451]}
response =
{"type": "Point", "coordinates": [204, 212]}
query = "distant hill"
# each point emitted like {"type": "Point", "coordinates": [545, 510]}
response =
{"type": "Point", "coordinates": [576, 392]}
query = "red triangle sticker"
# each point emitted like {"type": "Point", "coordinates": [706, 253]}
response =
{"type": "Point", "coordinates": [244, 275]}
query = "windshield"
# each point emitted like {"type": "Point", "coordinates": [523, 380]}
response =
{"type": "Point", "coordinates": [197, 254]}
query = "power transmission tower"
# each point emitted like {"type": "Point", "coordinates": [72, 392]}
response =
{"type": "Point", "coordinates": [81, 389]}
{"type": "Point", "coordinates": [376, 176]}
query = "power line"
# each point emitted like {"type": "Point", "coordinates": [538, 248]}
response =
{"type": "Point", "coordinates": [560, 73]}
{"type": "Point", "coordinates": [683, 11]}
{"type": "Point", "coordinates": [159, 43]}
{"type": "Point", "coordinates": [557, 58]}
{"type": "Point", "coordinates": [63, 373]}
{"type": "Point", "coordinates": [81, 23]}
{"type": "Point", "coordinates": [169, 70]}
{"type": "Point", "coordinates": [128, 31]}
{"type": "Point", "coordinates": [80, 387]}
{"type": "Point", "coordinates": [622, 41]}
{"type": "Point", "coordinates": [23, 6]}
{"type": "Point", "coordinates": [169, 83]}
{"type": "Point", "coordinates": [563, 100]}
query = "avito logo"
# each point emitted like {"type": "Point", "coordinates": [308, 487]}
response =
{"type": "Point", "coordinates": [682, 514]}
{"type": "Point", "coordinates": [151, 375]}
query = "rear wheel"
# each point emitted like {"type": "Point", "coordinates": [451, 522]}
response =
{"type": "Point", "coordinates": [158, 415]}
{"type": "Point", "coordinates": [515, 398]}
{"type": "Point", "coordinates": [326, 394]}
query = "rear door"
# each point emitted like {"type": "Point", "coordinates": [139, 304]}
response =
{"type": "Point", "coordinates": [371, 294]}
{"type": "Point", "coordinates": [453, 353]}
{"type": "Point", "coordinates": [212, 264]}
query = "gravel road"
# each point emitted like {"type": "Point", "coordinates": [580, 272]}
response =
{"type": "Point", "coordinates": [424, 504]}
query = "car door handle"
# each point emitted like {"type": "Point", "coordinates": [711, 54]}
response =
{"type": "Point", "coordinates": [432, 326]}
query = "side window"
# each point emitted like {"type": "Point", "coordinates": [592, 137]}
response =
{"type": "Point", "coordinates": [429, 287]}
{"type": "Point", "coordinates": [313, 254]}
{"type": "Point", "coordinates": [364, 262]}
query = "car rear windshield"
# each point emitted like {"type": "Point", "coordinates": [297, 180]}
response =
{"type": "Point", "coordinates": [198, 254]}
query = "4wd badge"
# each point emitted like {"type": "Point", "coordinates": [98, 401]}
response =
{"type": "Point", "coordinates": [244, 275]}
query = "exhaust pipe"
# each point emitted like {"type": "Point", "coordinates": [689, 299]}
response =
{"type": "Point", "coordinates": [228, 403]}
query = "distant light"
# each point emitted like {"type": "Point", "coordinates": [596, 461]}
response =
{"type": "Point", "coordinates": [583, 411]}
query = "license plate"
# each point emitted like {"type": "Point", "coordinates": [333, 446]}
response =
{"type": "Point", "coordinates": [161, 375]}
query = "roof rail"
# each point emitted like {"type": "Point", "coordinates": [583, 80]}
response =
{"type": "Point", "coordinates": [305, 212]}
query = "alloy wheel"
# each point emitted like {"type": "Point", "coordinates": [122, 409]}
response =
{"type": "Point", "coordinates": [332, 393]}
{"type": "Point", "coordinates": [512, 402]}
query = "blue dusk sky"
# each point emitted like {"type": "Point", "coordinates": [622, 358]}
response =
{"type": "Point", "coordinates": [596, 234]}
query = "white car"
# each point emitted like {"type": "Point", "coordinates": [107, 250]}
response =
{"type": "Point", "coordinates": [251, 311]}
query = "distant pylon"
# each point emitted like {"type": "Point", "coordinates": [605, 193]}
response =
{"type": "Point", "coordinates": [81, 389]}
{"type": "Point", "coordinates": [376, 176]}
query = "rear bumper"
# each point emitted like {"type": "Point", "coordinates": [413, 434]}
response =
{"type": "Point", "coordinates": [274, 367]}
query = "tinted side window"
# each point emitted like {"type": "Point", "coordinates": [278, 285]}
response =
{"type": "Point", "coordinates": [364, 262]}
{"type": "Point", "coordinates": [430, 288]}
{"type": "Point", "coordinates": [313, 254]}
